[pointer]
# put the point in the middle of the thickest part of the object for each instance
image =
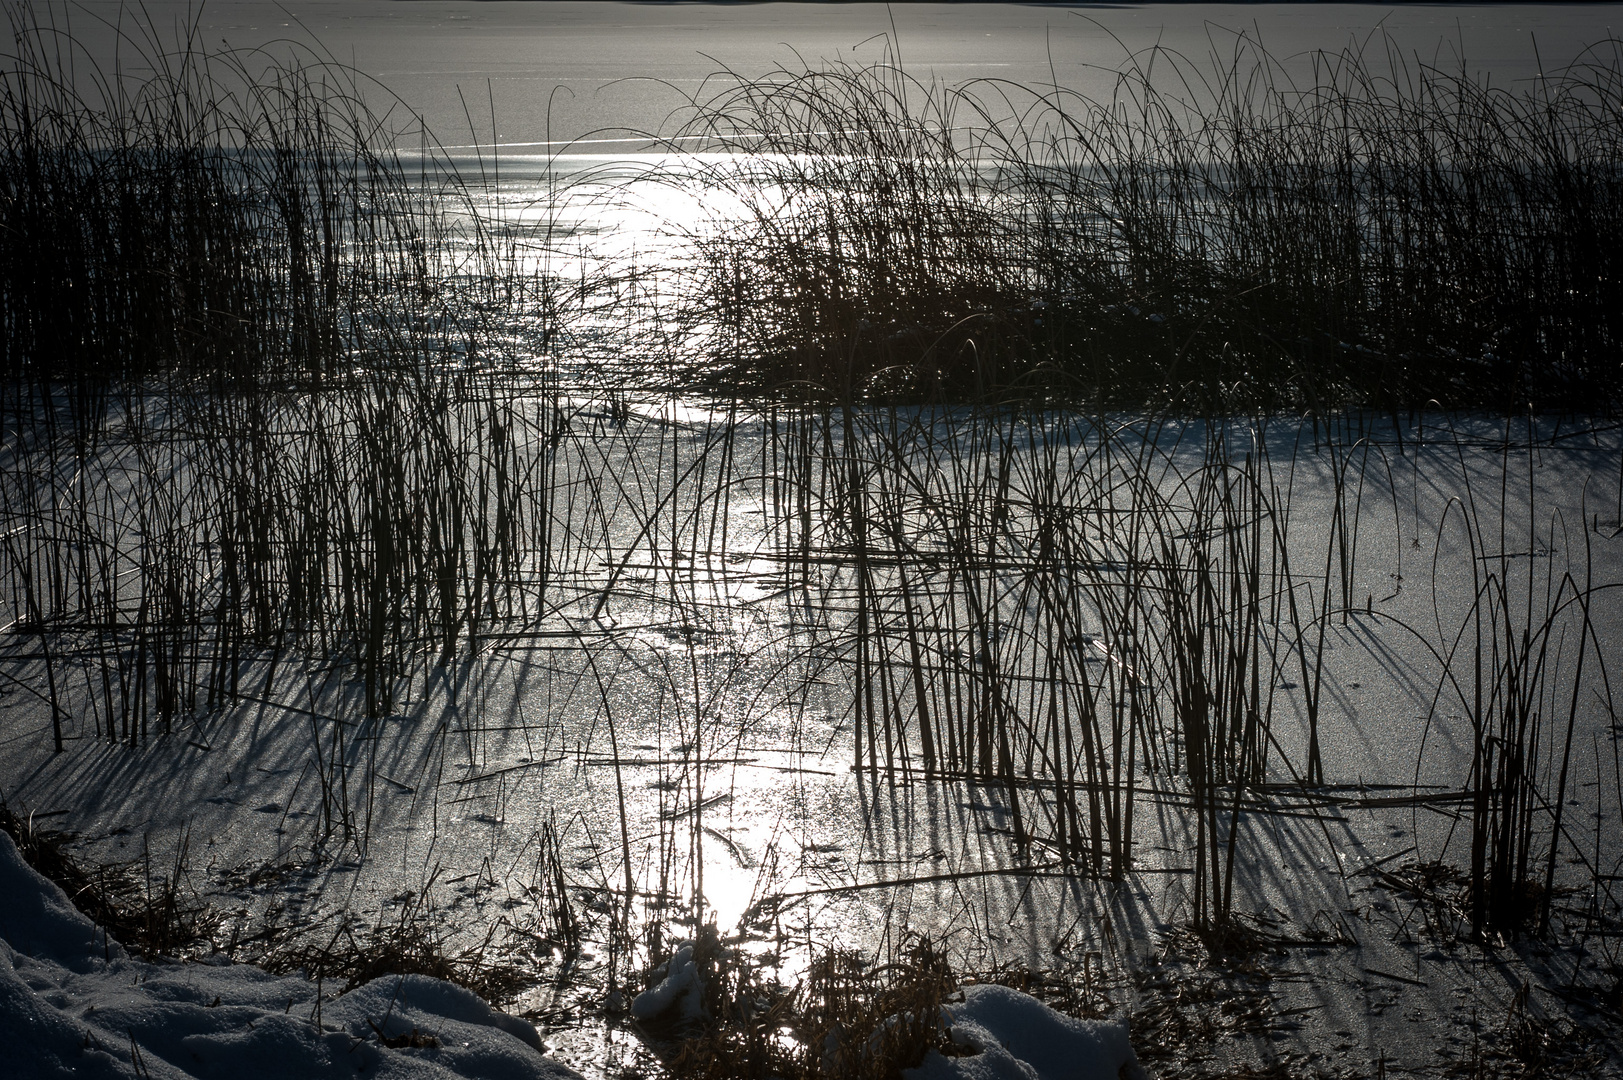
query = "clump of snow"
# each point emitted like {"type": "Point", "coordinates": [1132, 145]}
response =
{"type": "Point", "coordinates": [72, 1002]}
{"type": "Point", "coordinates": [1013, 1036]}
{"type": "Point", "coordinates": [679, 996]}
{"type": "Point", "coordinates": [37, 919]}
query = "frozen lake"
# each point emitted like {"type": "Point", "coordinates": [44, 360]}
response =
{"type": "Point", "coordinates": [571, 71]}
{"type": "Point", "coordinates": [521, 640]}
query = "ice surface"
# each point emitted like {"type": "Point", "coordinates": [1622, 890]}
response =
{"type": "Point", "coordinates": [73, 1002]}
{"type": "Point", "coordinates": [445, 800]}
{"type": "Point", "coordinates": [629, 65]}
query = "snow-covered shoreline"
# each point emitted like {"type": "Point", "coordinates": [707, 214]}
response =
{"type": "Point", "coordinates": [73, 1002]}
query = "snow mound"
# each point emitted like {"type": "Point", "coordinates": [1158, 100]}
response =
{"type": "Point", "coordinates": [1013, 1036]}
{"type": "Point", "coordinates": [73, 1003]}
{"type": "Point", "coordinates": [38, 919]}
{"type": "Point", "coordinates": [679, 995]}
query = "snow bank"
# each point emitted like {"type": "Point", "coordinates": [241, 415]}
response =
{"type": "Point", "coordinates": [73, 1003]}
{"type": "Point", "coordinates": [1012, 1036]}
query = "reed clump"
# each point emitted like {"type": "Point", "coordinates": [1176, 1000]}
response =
{"type": "Point", "coordinates": [202, 224]}
{"type": "Point", "coordinates": [847, 1018]}
{"type": "Point", "coordinates": [1215, 236]}
{"type": "Point", "coordinates": [261, 379]}
{"type": "Point", "coordinates": [1081, 614]}
{"type": "Point", "coordinates": [415, 943]}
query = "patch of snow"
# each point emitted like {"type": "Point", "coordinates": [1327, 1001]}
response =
{"type": "Point", "coordinates": [678, 996]}
{"type": "Point", "coordinates": [1013, 1036]}
{"type": "Point", "coordinates": [74, 1003]}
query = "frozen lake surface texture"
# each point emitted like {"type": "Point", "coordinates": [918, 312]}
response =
{"type": "Point", "coordinates": [600, 504]}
